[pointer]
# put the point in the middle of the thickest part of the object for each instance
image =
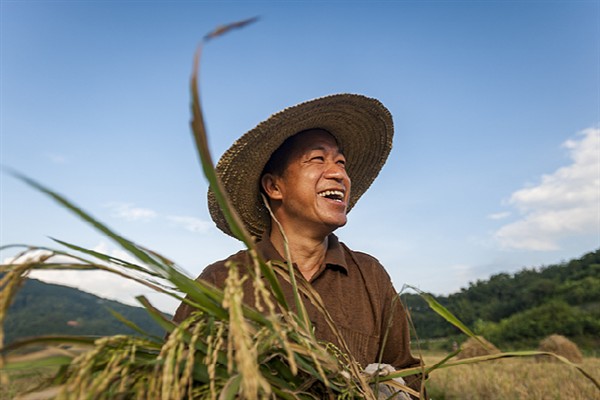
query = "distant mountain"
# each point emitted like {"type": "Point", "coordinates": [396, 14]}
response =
{"type": "Point", "coordinates": [517, 310]}
{"type": "Point", "coordinates": [41, 308]}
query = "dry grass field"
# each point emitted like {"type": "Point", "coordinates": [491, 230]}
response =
{"type": "Point", "coordinates": [523, 378]}
{"type": "Point", "coordinates": [514, 379]}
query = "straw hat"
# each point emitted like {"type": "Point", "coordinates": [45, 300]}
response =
{"type": "Point", "coordinates": [362, 126]}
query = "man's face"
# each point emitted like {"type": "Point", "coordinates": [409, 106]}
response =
{"type": "Point", "coordinates": [312, 192]}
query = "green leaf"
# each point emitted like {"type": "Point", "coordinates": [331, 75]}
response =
{"type": "Point", "coordinates": [107, 258]}
{"type": "Point", "coordinates": [447, 315]}
{"type": "Point", "coordinates": [220, 30]}
{"type": "Point", "coordinates": [49, 340]}
{"type": "Point", "coordinates": [231, 388]}
{"type": "Point", "coordinates": [127, 245]}
{"type": "Point", "coordinates": [232, 217]}
{"type": "Point", "coordinates": [133, 326]}
{"type": "Point", "coordinates": [42, 362]}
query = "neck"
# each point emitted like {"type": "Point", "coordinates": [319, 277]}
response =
{"type": "Point", "coordinates": [306, 252]}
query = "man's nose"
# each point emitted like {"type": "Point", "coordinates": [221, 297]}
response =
{"type": "Point", "coordinates": [336, 171]}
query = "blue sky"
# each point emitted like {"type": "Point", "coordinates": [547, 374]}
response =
{"type": "Point", "coordinates": [496, 105]}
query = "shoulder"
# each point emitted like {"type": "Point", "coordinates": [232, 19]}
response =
{"type": "Point", "coordinates": [362, 257]}
{"type": "Point", "coordinates": [374, 277]}
{"type": "Point", "coordinates": [216, 273]}
{"type": "Point", "coordinates": [366, 263]}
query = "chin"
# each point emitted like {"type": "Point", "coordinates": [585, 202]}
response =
{"type": "Point", "coordinates": [339, 223]}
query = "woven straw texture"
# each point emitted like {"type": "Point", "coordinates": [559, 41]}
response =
{"type": "Point", "coordinates": [362, 126]}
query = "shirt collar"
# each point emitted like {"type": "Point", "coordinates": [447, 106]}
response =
{"type": "Point", "coordinates": [333, 257]}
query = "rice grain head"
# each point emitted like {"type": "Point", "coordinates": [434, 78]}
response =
{"type": "Point", "coordinates": [240, 344]}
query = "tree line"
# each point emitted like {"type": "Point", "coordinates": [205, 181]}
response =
{"type": "Point", "coordinates": [517, 310]}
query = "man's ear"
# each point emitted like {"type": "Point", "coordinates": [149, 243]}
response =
{"type": "Point", "coordinates": [270, 187]}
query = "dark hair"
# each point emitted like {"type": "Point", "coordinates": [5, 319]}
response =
{"type": "Point", "coordinates": [279, 159]}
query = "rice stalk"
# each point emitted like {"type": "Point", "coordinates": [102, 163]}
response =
{"type": "Point", "coordinates": [224, 350]}
{"type": "Point", "coordinates": [178, 355]}
{"type": "Point", "coordinates": [240, 350]}
{"type": "Point", "coordinates": [214, 344]}
{"type": "Point", "coordinates": [263, 298]}
{"type": "Point", "coordinates": [186, 380]}
{"type": "Point", "coordinates": [300, 309]}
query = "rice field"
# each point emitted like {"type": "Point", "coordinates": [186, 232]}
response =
{"type": "Point", "coordinates": [521, 378]}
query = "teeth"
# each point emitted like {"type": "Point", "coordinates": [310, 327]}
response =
{"type": "Point", "coordinates": [338, 194]}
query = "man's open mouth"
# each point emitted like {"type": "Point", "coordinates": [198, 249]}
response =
{"type": "Point", "coordinates": [336, 195]}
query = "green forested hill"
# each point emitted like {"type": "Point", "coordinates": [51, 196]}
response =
{"type": "Point", "coordinates": [41, 308]}
{"type": "Point", "coordinates": [517, 310]}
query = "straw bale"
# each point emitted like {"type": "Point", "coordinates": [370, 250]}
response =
{"type": "Point", "coordinates": [473, 348]}
{"type": "Point", "coordinates": [562, 346]}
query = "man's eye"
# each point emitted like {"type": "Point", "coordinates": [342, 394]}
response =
{"type": "Point", "coordinates": [342, 162]}
{"type": "Point", "coordinates": [318, 158]}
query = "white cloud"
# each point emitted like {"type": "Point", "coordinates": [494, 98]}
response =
{"type": "Point", "coordinates": [191, 224]}
{"type": "Point", "coordinates": [500, 215]}
{"type": "Point", "coordinates": [128, 212]}
{"type": "Point", "coordinates": [564, 204]}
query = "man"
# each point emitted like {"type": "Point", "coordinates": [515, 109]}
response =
{"type": "Point", "coordinates": [312, 162]}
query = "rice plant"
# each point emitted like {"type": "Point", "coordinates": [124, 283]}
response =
{"type": "Point", "coordinates": [226, 349]}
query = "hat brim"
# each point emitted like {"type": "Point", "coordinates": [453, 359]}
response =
{"type": "Point", "coordinates": [362, 126]}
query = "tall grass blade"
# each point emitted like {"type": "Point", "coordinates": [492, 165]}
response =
{"type": "Point", "coordinates": [72, 340]}
{"type": "Point", "coordinates": [41, 362]}
{"type": "Point", "coordinates": [198, 128]}
{"type": "Point", "coordinates": [130, 247]}
{"type": "Point", "coordinates": [443, 361]}
{"type": "Point", "coordinates": [82, 264]}
{"type": "Point", "coordinates": [133, 326]}
{"type": "Point", "coordinates": [108, 258]}
{"type": "Point", "coordinates": [300, 308]}
{"type": "Point", "coordinates": [233, 219]}
{"type": "Point", "coordinates": [158, 316]}
{"type": "Point", "coordinates": [490, 357]}
{"type": "Point", "coordinates": [447, 315]}
{"type": "Point", "coordinates": [220, 30]}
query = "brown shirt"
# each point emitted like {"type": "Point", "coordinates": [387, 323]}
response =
{"type": "Point", "coordinates": [358, 294]}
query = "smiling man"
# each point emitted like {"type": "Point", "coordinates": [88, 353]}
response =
{"type": "Point", "coordinates": [311, 163]}
{"type": "Point", "coordinates": [308, 190]}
